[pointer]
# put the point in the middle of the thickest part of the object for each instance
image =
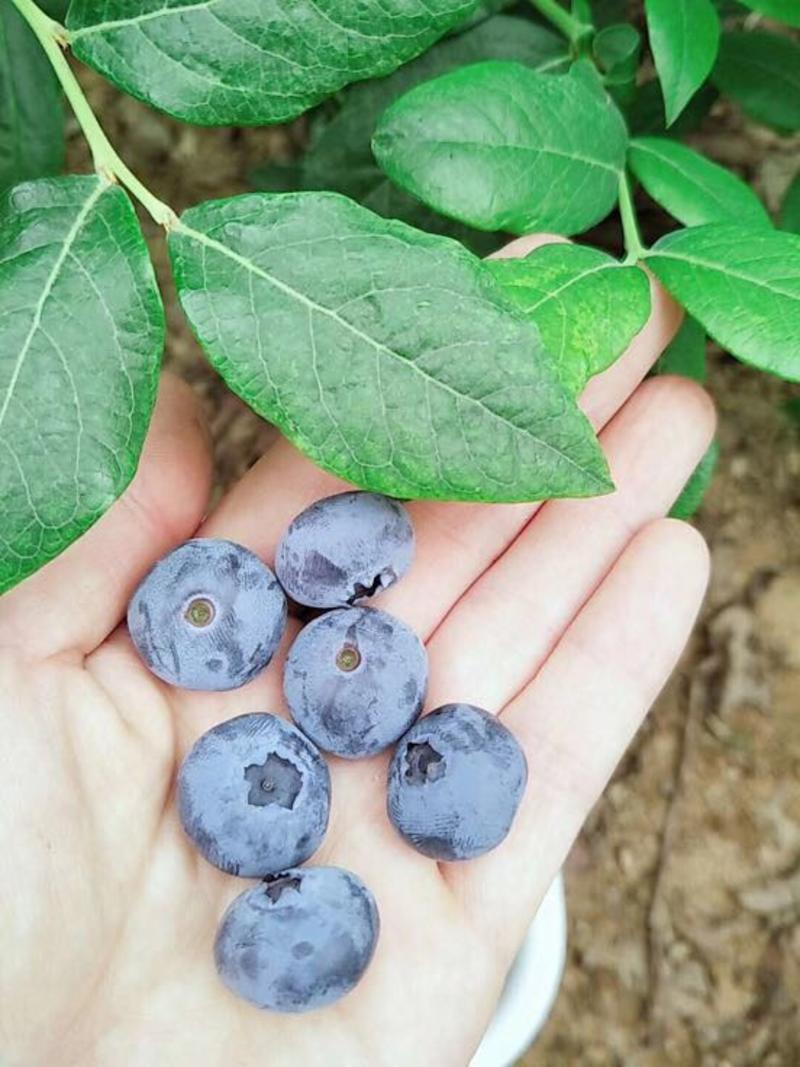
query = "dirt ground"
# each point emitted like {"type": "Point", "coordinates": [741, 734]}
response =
{"type": "Point", "coordinates": [684, 887]}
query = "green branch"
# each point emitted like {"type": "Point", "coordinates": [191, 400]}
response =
{"type": "Point", "coordinates": [634, 245]}
{"type": "Point", "coordinates": [52, 36]}
{"type": "Point", "coordinates": [573, 29]}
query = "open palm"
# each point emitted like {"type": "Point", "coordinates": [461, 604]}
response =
{"type": "Point", "coordinates": [566, 619]}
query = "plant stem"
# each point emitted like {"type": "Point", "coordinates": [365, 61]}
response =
{"type": "Point", "coordinates": [52, 36]}
{"type": "Point", "coordinates": [634, 245]}
{"type": "Point", "coordinates": [572, 28]}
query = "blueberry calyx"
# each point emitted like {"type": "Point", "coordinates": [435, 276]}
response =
{"type": "Point", "coordinates": [423, 763]}
{"type": "Point", "coordinates": [275, 781]}
{"type": "Point", "coordinates": [275, 885]}
{"type": "Point", "coordinates": [382, 580]}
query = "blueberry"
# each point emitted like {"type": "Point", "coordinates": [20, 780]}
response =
{"type": "Point", "coordinates": [455, 782]}
{"type": "Point", "coordinates": [209, 615]}
{"type": "Point", "coordinates": [345, 548]}
{"type": "Point", "coordinates": [355, 681]}
{"type": "Point", "coordinates": [298, 941]}
{"type": "Point", "coordinates": [254, 796]}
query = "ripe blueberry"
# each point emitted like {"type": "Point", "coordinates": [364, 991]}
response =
{"type": "Point", "coordinates": [209, 615]}
{"type": "Point", "coordinates": [299, 941]}
{"type": "Point", "coordinates": [355, 681]}
{"type": "Point", "coordinates": [345, 548]}
{"type": "Point", "coordinates": [455, 782]}
{"type": "Point", "coordinates": [254, 796]}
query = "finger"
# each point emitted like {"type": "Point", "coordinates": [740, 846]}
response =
{"type": "Point", "coordinates": [523, 246]}
{"type": "Point", "coordinates": [76, 600]}
{"type": "Point", "coordinates": [511, 618]}
{"type": "Point", "coordinates": [577, 717]}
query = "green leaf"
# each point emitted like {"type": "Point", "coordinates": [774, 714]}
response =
{"type": "Point", "coordinates": [617, 46]}
{"type": "Point", "coordinates": [617, 50]}
{"type": "Point", "coordinates": [684, 37]}
{"type": "Point", "coordinates": [790, 208]}
{"type": "Point", "coordinates": [236, 62]}
{"type": "Point", "coordinates": [761, 72]}
{"type": "Point", "coordinates": [787, 11]}
{"type": "Point", "coordinates": [31, 112]}
{"type": "Point", "coordinates": [340, 157]}
{"type": "Point", "coordinates": [743, 286]}
{"type": "Point", "coordinates": [586, 305]}
{"type": "Point", "coordinates": [83, 332]}
{"type": "Point", "coordinates": [692, 188]}
{"type": "Point", "coordinates": [695, 489]}
{"type": "Point", "coordinates": [387, 355]}
{"type": "Point", "coordinates": [502, 147]}
{"type": "Point", "coordinates": [686, 353]}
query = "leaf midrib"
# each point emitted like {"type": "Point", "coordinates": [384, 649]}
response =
{"type": "Point", "coordinates": [530, 149]}
{"type": "Point", "coordinates": [207, 5]}
{"type": "Point", "coordinates": [69, 240]}
{"type": "Point", "coordinates": [248, 264]}
{"type": "Point", "coordinates": [148, 16]}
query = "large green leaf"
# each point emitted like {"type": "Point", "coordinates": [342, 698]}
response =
{"type": "Point", "coordinates": [225, 62]}
{"type": "Point", "coordinates": [588, 307]}
{"type": "Point", "coordinates": [695, 489]}
{"type": "Point", "coordinates": [502, 147]}
{"type": "Point", "coordinates": [684, 37]}
{"type": "Point", "coordinates": [787, 11]}
{"type": "Point", "coordinates": [31, 112]}
{"type": "Point", "coordinates": [83, 331]}
{"type": "Point", "coordinates": [686, 353]}
{"type": "Point", "coordinates": [389, 356]}
{"type": "Point", "coordinates": [761, 71]}
{"type": "Point", "coordinates": [340, 157]}
{"type": "Point", "coordinates": [690, 187]}
{"type": "Point", "coordinates": [743, 285]}
{"type": "Point", "coordinates": [790, 208]}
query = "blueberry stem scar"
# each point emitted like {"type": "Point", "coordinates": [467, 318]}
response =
{"type": "Point", "coordinates": [200, 612]}
{"type": "Point", "coordinates": [348, 658]}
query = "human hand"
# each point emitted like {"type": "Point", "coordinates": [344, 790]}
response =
{"type": "Point", "coordinates": [565, 618]}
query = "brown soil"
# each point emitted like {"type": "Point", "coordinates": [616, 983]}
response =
{"type": "Point", "coordinates": [684, 888]}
